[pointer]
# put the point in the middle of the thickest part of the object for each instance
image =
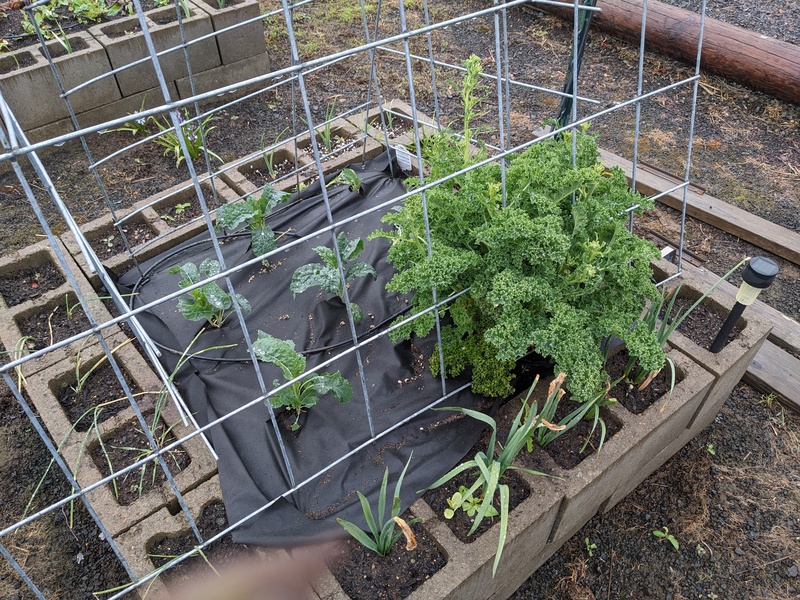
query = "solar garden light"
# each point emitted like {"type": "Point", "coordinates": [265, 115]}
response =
{"type": "Point", "coordinates": [758, 275]}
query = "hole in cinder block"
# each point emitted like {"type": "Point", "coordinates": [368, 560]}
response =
{"type": "Point", "coordinates": [174, 507]}
{"type": "Point", "coordinates": [38, 274]}
{"type": "Point", "coordinates": [12, 62]}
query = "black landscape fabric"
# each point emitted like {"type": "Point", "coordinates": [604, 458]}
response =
{"type": "Point", "coordinates": [251, 468]}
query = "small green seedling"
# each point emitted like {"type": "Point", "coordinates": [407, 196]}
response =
{"type": "Point", "coordinates": [108, 241]}
{"type": "Point", "coordinates": [382, 535]}
{"type": "Point", "coordinates": [325, 132]}
{"type": "Point", "coordinates": [468, 503]}
{"type": "Point", "coordinates": [305, 392]}
{"type": "Point", "coordinates": [254, 211]}
{"type": "Point", "coordinates": [591, 547]}
{"type": "Point", "coordinates": [710, 449]}
{"type": "Point", "coordinates": [181, 207]}
{"type": "Point", "coordinates": [269, 157]}
{"type": "Point", "coordinates": [208, 303]}
{"type": "Point", "coordinates": [664, 534]}
{"type": "Point", "coordinates": [349, 177]}
{"type": "Point", "coordinates": [326, 275]}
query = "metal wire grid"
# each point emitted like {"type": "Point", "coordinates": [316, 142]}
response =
{"type": "Point", "coordinates": [17, 149]}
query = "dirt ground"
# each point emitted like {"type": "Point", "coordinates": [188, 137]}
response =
{"type": "Point", "coordinates": [731, 498]}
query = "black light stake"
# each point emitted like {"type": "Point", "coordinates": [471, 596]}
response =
{"type": "Point", "coordinates": [758, 275]}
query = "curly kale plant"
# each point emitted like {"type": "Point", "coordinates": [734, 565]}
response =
{"type": "Point", "coordinates": [326, 275]}
{"type": "Point", "coordinates": [209, 302]}
{"type": "Point", "coordinates": [302, 394]}
{"type": "Point", "coordinates": [551, 267]}
{"type": "Point", "coordinates": [253, 211]}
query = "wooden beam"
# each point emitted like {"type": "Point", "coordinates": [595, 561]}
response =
{"type": "Point", "coordinates": [759, 232]}
{"type": "Point", "coordinates": [749, 58]}
{"type": "Point", "coordinates": [778, 372]}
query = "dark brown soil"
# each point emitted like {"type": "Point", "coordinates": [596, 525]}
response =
{"type": "Point", "coordinates": [219, 553]}
{"type": "Point", "coordinates": [53, 326]}
{"type": "Point", "coordinates": [571, 448]}
{"type": "Point", "coordinates": [130, 445]}
{"type": "Point", "coordinates": [101, 387]}
{"type": "Point", "coordinates": [364, 575]}
{"type": "Point", "coordinates": [703, 324]}
{"type": "Point", "coordinates": [179, 214]}
{"type": "Point", "coordinates": [110, 241]}
{"type": "Point", "coordinates": [628, 394]}
{"type": "Point", "coordinates": [26, 284]}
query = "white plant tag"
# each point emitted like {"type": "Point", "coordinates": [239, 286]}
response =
{"type": "Point", "coordinates": [403, 158]}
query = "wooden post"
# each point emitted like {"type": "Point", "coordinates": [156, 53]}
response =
{"type": "Point", "coordinates": [760, 62]}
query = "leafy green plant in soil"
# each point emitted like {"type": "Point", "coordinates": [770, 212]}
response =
{"type": "Point", "coordinates": [326, 275]}
{"type": "Point", "coordinates": [254, 212]}
{"type": "Point", "coordinates": [382, 534]}
{"type": "Point", "coordinates": [303, 393]}
{"type": "Point", "coordinates": [550, 265]}
{"type": "Point", "coordinates": [210, 302]}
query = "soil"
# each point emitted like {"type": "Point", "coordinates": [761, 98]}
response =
{"type": "Point", "coordinates": [730, 497]}
{"type": "Point", "coordinates": [364, 575]}
{"type": "Point", "coordinates": [111, 241]}
{"type": "Point", "coordinates": [126, 447]}
{"type": "Point", "coordinates": [25, 284]}
{"type": "Point", "coordinates": [628, 394]}
{"type": "Point", "coordinates": [221, 552]}
{"type": "Point", "coordinates": [101, 387]}
{"type": "Point", "coordinates": [48, 327]}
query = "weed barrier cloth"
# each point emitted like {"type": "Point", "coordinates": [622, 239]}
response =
{"type": "Point", "coordinates": [251, 468]}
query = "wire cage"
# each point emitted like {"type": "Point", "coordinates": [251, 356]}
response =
{"type": "Point", "coordinates": [269, 135]}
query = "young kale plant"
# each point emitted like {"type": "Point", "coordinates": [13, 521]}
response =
{"type": "Point", "coordinates": [210, 302]}
{"type": "Point", "coordinates": [550, 265]}
{"type": "Point", "coordinates": [304, 393]}
{"type": "Point", "coordinates": [326, 275]}
{"type": "Point", "coordinates": [488, 471]}
{"type": "Point", "coordinates": [254, 211]}
{"type": "Point", "coordinates": [382, 536]}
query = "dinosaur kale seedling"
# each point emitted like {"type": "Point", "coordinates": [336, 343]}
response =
{"type": "Point", "coordinates": [254, 212]}
{"type": "Point", "coordinates": [210, 302]}
{"type": "Point", "coordinates": [326, 275]}
{"type": "Point", "coordinates": [304, 393]}
{"type": "Point", "coordinates": [349, 177]}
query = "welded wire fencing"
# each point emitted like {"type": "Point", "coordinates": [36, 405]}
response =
{"type": "Point", "coordinates": [270, 129]}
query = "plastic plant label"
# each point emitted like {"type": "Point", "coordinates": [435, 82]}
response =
{"type": "Point", "coordinates": [403, 157]}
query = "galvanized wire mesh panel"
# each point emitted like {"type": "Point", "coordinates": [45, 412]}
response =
{"type": "Point", "coordinates": [193, 74]}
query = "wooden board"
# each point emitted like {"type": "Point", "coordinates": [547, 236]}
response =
{"type": "Point", "coordinates": [761, 62]}
{"type": "Point", "coordinates": [759, 232]}
{"type": "Point", "coordinates": [778, 372]}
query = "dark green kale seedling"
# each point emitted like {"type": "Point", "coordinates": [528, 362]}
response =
{"type": "Point", "coordinates": [304, 393]}
{"type": "Point", "coordinates": [210, 302]}
{"type": "Point", "coordinates": [326, 275]}
{"type": "Point", "coordinates": [254, 211]}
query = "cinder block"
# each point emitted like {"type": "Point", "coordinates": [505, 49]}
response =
{"type": "Point", "coordinates": [124, 44]}
{"type": "Point", "coordinates": [243, 40]}
{"type": "Point", "coordinates": [728, 365]}
{"type": "Point", "coordinates": [21, 85]}
{"type": "Point", "coordinates": [377, 126]}
{"type": "Point", "coordinates": [224, 75]}
{"type": "Point", "coordinates": [596, 478]}
{"type": "Point", "coordinates": [238, 174]}
{"type": "Point", "coordinates": [33, 257]}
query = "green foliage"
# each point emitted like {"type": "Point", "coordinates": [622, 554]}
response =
{"type": "Point", "coordinates": [585, 410]}
{"type": "Point", "coordinates": [664, 534]}
{"type": "Point", "coordinates": [349, 177]}
{"type": "Point", "coordinates": [326, 275]}
{"type": "Point", "coordinates": [194, 134]}
{"type": "Point", "coordinates": [304, 393]}
{"type": "Point", "coordinates": [382, 535]}
{"type": "Point", "coordinates": [488, 470]}
{"type": "Point", "coordinates": [650, 333]}
{"type": "Point", "coordinates": [254, 211]}
{"type": "Point", "coordinates": [554, 269]}
{"type": "Point", "coordinates": [207, 303]}
{"type": "Point", "coordinates": [591, 547]}
{"type": "Point", "coordinates": [468, 503]}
